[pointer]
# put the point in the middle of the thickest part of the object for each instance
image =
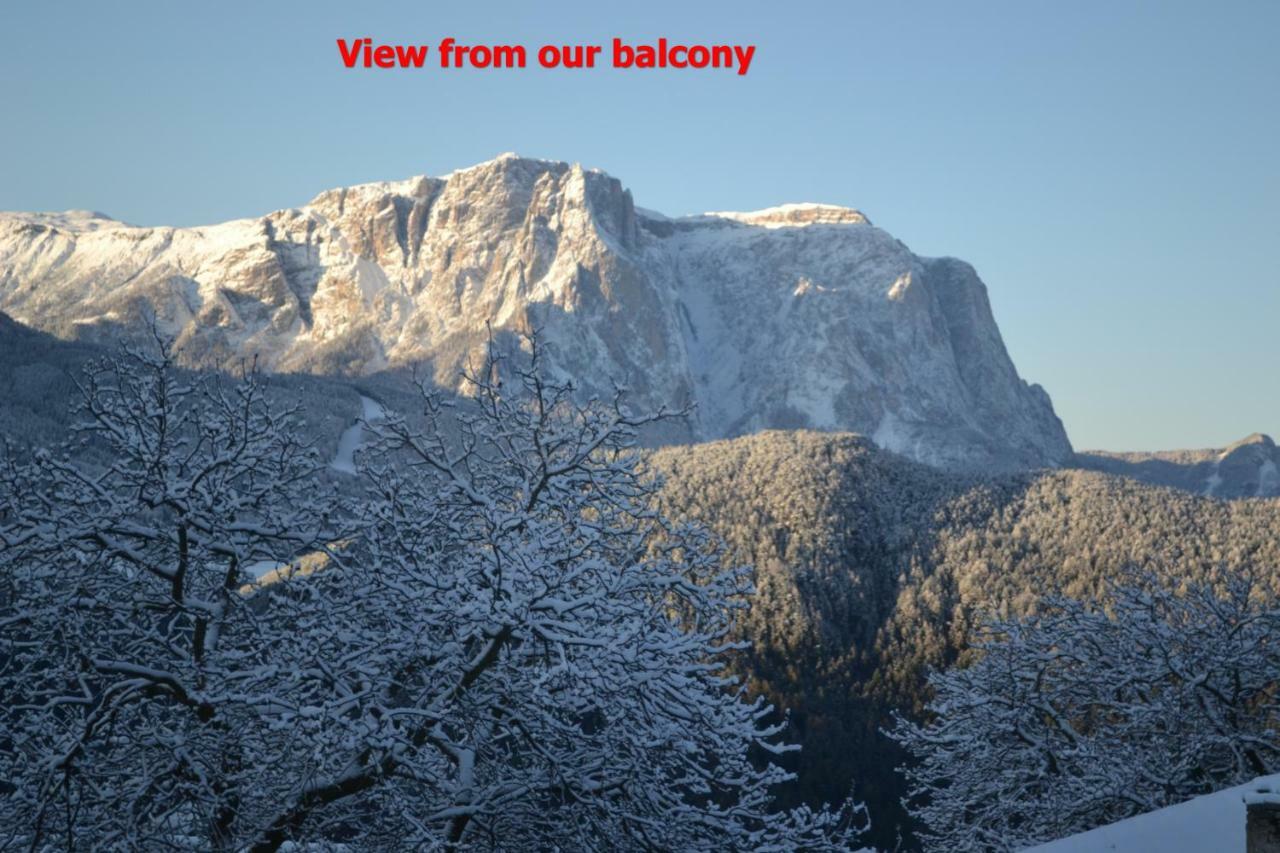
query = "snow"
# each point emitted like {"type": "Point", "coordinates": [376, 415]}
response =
{"type": "Point", "coordinates": [1214, 482]}
{"type": "Point", "coordinates": [894, 435]}
{"type": "Point", "coordinates": [760, 319]}
{"type": "Point", "coordinates": [348, 444]}
{"type": "Point", "coordinates": [1212, 822]}
{"type": "Point", "coordinates": [67, 220]}
{"type": "Point", "coordinates": [1268, 478]}
{"type": "Point", "coordinates": [352, 437]}
{"type": "Point", "coordinates": [505, 156]}
{"type": "Point", "coordinates": [261, 568]}
{"type": "Point", "coordinates": [652, 214]}
{"type": "Point", "coordinates": [1265, 790]}
{"type": "Point", "coordinates": [795, 215]}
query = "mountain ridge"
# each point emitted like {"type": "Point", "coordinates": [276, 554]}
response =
{"type": "Point", "coordinates": [1249, 467]}
{"type": "Point", "coordinates": [798, 316]}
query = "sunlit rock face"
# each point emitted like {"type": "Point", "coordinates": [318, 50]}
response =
{"type": "Point", "coordinates": [801, 316]}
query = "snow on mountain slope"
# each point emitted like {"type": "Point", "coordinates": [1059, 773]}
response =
{"type": "Point", "coordinates": [796, 316]}
{"type": "Point", "coordinates": [1249, 468]}
{"type": "Point", "coordinates": [353, 437]}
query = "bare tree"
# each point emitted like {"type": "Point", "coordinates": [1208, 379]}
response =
{"type": "Point", "coordinates": [130, 660]}
{"type": "Point", "coordinates": [547, 670]}
{"type": "Point", "coordinates": [505, 648]}
{"type": "Point", "coordinates": [1090, 713]}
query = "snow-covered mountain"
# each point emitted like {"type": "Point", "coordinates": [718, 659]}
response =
{"type": "Point", "coordinates": [1249, 468]}
{"type": "Point", "coordinates": [797, 316]}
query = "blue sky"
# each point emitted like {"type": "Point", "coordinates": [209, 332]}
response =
{"type": "Point", "coordinates": [1111, 168]}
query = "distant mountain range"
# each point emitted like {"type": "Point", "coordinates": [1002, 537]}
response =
{"type": "Point", "coordinates": [801, 316]}
{"type": "Point", "coordinates": [1250, 468]}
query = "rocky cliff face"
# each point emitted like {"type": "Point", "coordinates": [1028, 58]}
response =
{"type": "Point", "coordinates": [798, 316]}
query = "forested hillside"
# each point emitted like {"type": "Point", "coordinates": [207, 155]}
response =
{"type": "Point", "coordinates": [39, 374]}
{"type": "Point", "coordinates": [872, 568]}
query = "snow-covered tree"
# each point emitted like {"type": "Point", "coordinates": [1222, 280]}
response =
{"type": "Point", "coordinates": [1090, 713]}
{"type": "Point", "coordinates": [502, 645]}
{"type": "Point", "coordinates": [130, 661]}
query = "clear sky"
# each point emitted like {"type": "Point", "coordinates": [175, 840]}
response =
{"type": "Point", "coordinates": [1112, 169]}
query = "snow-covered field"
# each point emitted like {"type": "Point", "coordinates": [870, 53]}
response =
{"type": "Point", "coordinates": [353, 436]}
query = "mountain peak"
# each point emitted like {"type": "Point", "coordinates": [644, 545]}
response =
{"type": "Point", "coordinates": [760, 320]}
{"type": "Point", "coordinates": [64, 220]}
{"type": "Point", "coordinates": [1257, 438]}
{"type": "Point", "coordinates": [509, 158]}
{"type": "Point", "coordinates": [796, 214]}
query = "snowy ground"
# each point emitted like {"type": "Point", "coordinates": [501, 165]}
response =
{"type": "Point", "coordinates": [344, 460]}
{"type": "Point", "coordinates": [1214, 822]}
{"type": "Point", "coordinates": [353, 437]}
